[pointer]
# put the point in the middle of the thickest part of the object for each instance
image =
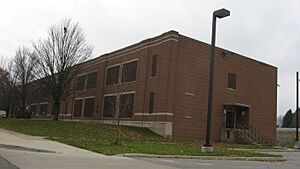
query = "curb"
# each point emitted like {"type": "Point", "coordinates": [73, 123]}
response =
{"type": "Point", "coordinates": [270, 159]}
{"type": "Point", "coordinates": [20, 148]}
{"type": "Point", "coordinates": [267, 150]}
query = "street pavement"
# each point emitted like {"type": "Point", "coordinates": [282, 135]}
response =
{"type": "Point", "coordinates": [293, 162]}
{"type": "Point", "coordinates": [4, 164]}
{"type": "Point", "coordinates": [29, 152]}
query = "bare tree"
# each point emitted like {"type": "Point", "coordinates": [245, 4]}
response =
{"type": "Point", "coordinates": [20, 75]}
{"type": "Point", "coordinates": [123, 101]}
{"type": "Point", "coordinates": [59, 58]}
{"type": "Point", "coordinates": [4, 88]}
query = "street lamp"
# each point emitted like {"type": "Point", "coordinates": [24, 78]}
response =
{"type": "Point", "coordinates": [221, 13]}
{"type": "Point", "coordinates": [297, 143]}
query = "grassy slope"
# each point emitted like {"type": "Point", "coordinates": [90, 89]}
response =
{"type": "Point", "coordinates": [99, 138]}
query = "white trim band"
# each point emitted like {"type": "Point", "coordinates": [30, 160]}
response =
{"type": "Point", "coordinates": [154, 114]}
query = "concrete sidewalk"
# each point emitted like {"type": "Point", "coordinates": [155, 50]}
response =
{"type": "Point", "coordinates": [29, 152]}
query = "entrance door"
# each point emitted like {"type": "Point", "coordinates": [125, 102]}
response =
{"type": "Point", "coordinates": [230, 119]}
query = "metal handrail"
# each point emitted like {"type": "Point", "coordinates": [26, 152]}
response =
{"type": "Point", "coordinates": [252, 134]}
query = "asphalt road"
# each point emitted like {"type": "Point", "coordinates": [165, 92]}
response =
{"type": "Point", "coordinates": [29, 152]}
{"type": "Point", "coordinates": [4, 164]}
{"type": "Point", "coordinates": [293, 162]}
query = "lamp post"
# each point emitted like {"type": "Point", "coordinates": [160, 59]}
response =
{"type": "Point", "coordinates": [297, 103]}
{"type": "Point", "coordinates": [297, 143]}
{"type": "Point", "coordinates": [221, 13]}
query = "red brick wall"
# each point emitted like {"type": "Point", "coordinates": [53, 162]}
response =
{"type": "Point", "coordinates": [256, 86]}
{"type": "Point", "coordinates": [160, 46]}
{"type": "Point", "coordinates": [181, 85]}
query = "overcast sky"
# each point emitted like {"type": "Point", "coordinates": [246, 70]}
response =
{"type": "Point", "coordinates": [265, 30]}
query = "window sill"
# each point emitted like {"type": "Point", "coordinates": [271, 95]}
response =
{"type": "Point", "coordinates": [231, 89]}
{"type": "Point", "coordinates": [113, 118]}
{"type": "Point", "coordinates": [117, 84]}
{"type": "Point", "coordinates": [83, 118]}
{"type": "Point", "coordinates": [83, 90]}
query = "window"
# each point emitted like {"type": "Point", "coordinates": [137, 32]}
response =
{"type": "Point", "coordinates": [78, 108]}
{"type": "Point", "coordinates": [232, 80]}
{"type": "Point", "coordinates": [53, 109]}
{"type": "Point", "coordinates": [129, 71]}
{"type": "Point", "coordinates": [151, 102]}
{"type": "Point", "coordinates": [109, 106]}
{"type": "Point", "coordinates": [88, 107]}
{"type": "Point", "coordinates": [44, 109]}
{"type": "Point", "coordinates": [86, 81]}
{"type": "Point", "coordinates": [84, 107]}
{"type": "Point", "coordinates": [33, 109]}
{"type": "Point", "coordinates": [91, 80]}
{"type": "Point", "coordinates": [80, 83]}
{"type": "Point", "coordinates": [66, 107]}
{"type": "Point", "coordinates": [154, 66]}
{"type": "Point", "coordinates": [126, 105]}
{"type": "Point", "coordinates": [112, 75]}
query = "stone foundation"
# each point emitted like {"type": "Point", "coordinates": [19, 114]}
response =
{"type": "Point", "coordinates": [162, 128]}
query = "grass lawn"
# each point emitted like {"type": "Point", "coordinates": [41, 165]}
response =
{"type": "Point", "coordinates": [99, 138]}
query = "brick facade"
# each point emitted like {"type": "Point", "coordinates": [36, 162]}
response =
{"type": "Point", "coordinates": [180, 88]}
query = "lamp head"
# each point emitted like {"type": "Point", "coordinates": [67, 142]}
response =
{"type": "Point", "coordinates": [221, 13]}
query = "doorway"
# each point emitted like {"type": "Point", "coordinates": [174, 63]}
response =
{"type": "Point", "coordinates": [230, 118]}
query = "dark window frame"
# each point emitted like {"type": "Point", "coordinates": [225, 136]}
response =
{"type": "Point", "coordinates": [75, 113]}
{"type": "Point", "coordinates": [115, 104]}
{"type": "Point", "coordinates": [115, 80]}
{"type": "Point", "coordinates": [44, 112]}
{"type": "Point", "coordinates": [88, 110]}
{"type": "Point", "coordinates": [151, 102]}
{"type": "Point", "coordinates": [106, 102]}
{"type": "Point", "coordinates": [35, 109]}
{"type": "Point", "coordinates": [91, 82]}
{"type": "Point", "coordinates": [128, 76]}
{"type": "Point", "coordinates": [79, 84]}
{"type": "Point", "coordinates": [126, 114]}
{"type": "Point", "coordinates": [231, 80]}
{"type": "Point", "coordinates": [81, 113]}
{"type": "Point", "coordinates": [154, 66]}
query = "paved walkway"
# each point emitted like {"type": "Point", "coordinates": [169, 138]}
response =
{"type": "Point", "coordinates": [29, 152]}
